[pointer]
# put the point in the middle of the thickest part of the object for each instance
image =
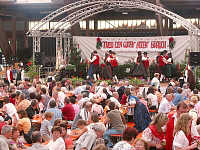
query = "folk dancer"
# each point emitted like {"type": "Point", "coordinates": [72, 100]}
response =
{"type": "Point", "coordinates": [162, 63]}
{"type": "Point", "coordinates": [146, 62]}
{"type": "Point", "coordinates": [138, 69]}
{"type": "Point", "coordinates": [95, 65]}
{"type": "Point", "coordinates": [114, 65]}
{"type": "Point", "coordinates": [90, 66]}
{"type": "Point", "coordinates": [107, 71]}
{"type": "Point", "coordinates": [9, 75]}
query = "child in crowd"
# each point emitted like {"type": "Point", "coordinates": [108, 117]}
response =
{"type": "Point", "coordinates": [45, 129]}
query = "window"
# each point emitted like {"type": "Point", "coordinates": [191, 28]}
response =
{"type": "Point", "coordinates": [34, 23]}
{"type": "Point", "coordinates": [91, 24]}
{"type": "Point", "coordinates": [83, 24]}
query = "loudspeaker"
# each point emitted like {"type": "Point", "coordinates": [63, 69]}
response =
{"type": "Point", "coordinates": [194, 58]}
{"type": "Point", "coordinates": [1, 58]}
{"type": "Point", "coordinates": [38, 60]}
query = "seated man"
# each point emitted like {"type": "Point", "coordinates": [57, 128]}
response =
{"type": "Point", "coordinates": [116, 121]}
{"type": "Point", "coordinates": [91, 138]}
{"type": "Point", "coordinates": [6, 133]}
{"type": "Point", "coordinates": [37, 142]}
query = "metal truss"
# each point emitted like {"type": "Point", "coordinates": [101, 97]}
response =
{"type": "Point", "coordinates": [65, 9]}
{"type": "Point", "coordinates": [91, 7]}
{"type": "Point", "coordinates": [82, 9]}
{"type": "Point", "coordinates": [36, 46]}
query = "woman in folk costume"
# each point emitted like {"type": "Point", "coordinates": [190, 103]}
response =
{"type": "Point", "coordinates": [95, 65]}
{"type": "Point", "coordinates": [107, 71]}
{"type": "Point", "coordinates": [183, 135]}
{"type": "Point", "coordinates": [170, 127]}
{"type": "Point", "coordinates": [138, 69]}
{"type": "Point", "coordinates": [154, 134]}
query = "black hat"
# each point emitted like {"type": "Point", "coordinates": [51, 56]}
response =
{"type": "Point", "coordinates": [145, 53]}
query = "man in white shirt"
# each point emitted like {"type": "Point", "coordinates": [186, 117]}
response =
{"type": "Point", "coordinates": [115, 98]}
{"type": "Point", "coordinates": [83, 100]}
{"type": "Point", "coordinates": [89, 139]}
{"type": "Point", "coordinates": [37, 142]}
{"type": "Point", "coordinates": [9, 75]}
{"type": "Point", "coordinates": [166, 104]}
{"type": "Point", "coordinates": [61, 97]}
{"type": "Point", "coordinates": [155, 81]}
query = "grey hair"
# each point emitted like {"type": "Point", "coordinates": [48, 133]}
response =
{"type": "Point", "coordinates": [99, 127]}
{"type": "Point", "coordinates": [5, 129]}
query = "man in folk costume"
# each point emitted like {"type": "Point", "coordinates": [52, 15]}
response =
{"type": "Point", "coordinates": [90, 66]}
{"type": "Point", "coordinates": [162, 63]}
{"type": "Point", "coordinates": [95, 62]}
{"type": "Point", "coordinates": [173, 117]}
{"type": "Point", "coordinates": [9, 75]}
{"type": "Point", "coordinates": [114, 65]}
{"type": "Point", "coordinates": [146, 62]}
{"type": "Point", "coordinates": [189, 77]}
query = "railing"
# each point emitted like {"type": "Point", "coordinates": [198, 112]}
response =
{"type": "Point", "coordinates": [44, 71]}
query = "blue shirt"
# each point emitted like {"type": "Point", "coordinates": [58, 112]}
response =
{"type": "Point", "coordinates": [57, 114]}
{"type": "Point", "coordinates": [177, 98]}
{"type": "Point", "coordinates": [133, 97]}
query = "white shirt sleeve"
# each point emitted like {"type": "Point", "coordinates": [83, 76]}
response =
{"type": "Point", "coordinates": [8, 75]}
{"type": "Point", "coordinates": [180, 140]}
{"type": "Point", "coordinates": [144, 58]}
{"type": "Point", "coordinates": [194, 131]}
{"type": "Point", "coordinates": [163, 108]}
{"type": "Point", "coordinates": [108, 59]}
{"type": "Point", "coordinates": [169, 60]}
{"type": "Point", "coordinates": [93, 59]}
{"type": "Point", "coordinates": [117, 58]}
{"type": "Point", "coordinates": [147, 135]}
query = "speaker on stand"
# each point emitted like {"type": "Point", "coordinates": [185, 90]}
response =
{"type": "Point", "coordinates": [38, 60]}
{"type": "Point", "coordinates": [194, 60]}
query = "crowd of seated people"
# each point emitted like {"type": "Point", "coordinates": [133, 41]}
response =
{"type": "Point", "coordinates": [90, 116]}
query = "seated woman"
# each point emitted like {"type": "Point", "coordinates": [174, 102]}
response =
{"type": "Point", "coordinates": [24, 125]}
{"type": "Point", "coordinates": [57, 143]}
{"type": "Point", "coordinates": [16, 142]}
{"type": "Point", "coordinates": [65, 136]}
{"type": "Point", "coordinates": [129, 136]}
{"type": "Point", "coordinates": [153, 98]}
{"type": "Point", "coordinates": [140, 144]}
{"type": "Point", "coordinates": [183, 133]}
{"type": "Point", "coordinates": [154, 134]}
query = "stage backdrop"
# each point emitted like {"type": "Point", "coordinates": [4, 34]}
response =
{"type": "Point", "coordinates": [126, 47]}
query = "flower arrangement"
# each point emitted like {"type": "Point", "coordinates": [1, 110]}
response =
{"type": "Point", "coordinates": [172, 42]}
{"type": "Point", "coordinates": [99, 43]}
